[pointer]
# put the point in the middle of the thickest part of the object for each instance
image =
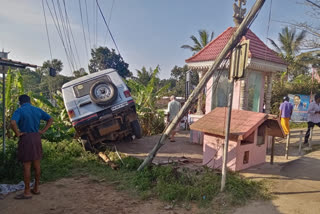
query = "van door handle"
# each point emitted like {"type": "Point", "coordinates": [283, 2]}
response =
{"type": "Point", "coordinates": [85, 103]}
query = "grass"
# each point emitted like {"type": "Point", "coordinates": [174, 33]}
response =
{"type": "Point", "coordinates": [298, 125]}
{"type": "Point", "coordinates": [168, 183]}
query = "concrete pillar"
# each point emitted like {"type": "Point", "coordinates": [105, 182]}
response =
{"type": "Point", "coordinates": [244, 92]}
{"type": "Point", "coordinates": [200, 97]}
{"type": "Point", "coordinates": [269, 93]}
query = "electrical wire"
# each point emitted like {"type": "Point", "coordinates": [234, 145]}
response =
{"type": "Point", "coordinates": [268, 28]}
{"type": "Point", "coordinates": [68, 23]}
{"type": "Point", "coordinates": [84, 35]}
{"type": "Point", "coordinates": [55, 24]}
{"type": "Point", "coordinates": [109, 20]}
{"type": "Point", "coordinates": [88, 24]}
{"type": "Point", "coordinates": [62, 33]}
{"type": "Point", "coordinates": [45, 20]}
{"type": "Point", "coordinates": [104, 19]}
{"type": "Point", "coordinates": [66, 32]}
{"type": "Point", "coordinates": [96, 29]}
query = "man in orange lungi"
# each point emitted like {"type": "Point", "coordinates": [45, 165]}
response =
{"type": "Point", "coordinates": [285, 114]}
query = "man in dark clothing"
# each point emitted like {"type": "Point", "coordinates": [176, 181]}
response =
{"type": "Point", "coordinates": [25, 123]}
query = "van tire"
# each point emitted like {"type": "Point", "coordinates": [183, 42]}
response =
{"type": "Point", "coordinates": [108, 100]}
{"type": "Point", "coordinates": [136, 129]}
{"type": "Point", "coordinates": [86, 144]}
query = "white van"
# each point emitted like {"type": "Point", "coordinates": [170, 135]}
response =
{"type": "Point", "coordinates": [101, 108]}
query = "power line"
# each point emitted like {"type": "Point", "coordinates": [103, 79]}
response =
{"type": "Point", "coordinates": [109, 20]}
{"type": "Point", "coordinates": [108, 28]}
{"type": "Point", "coordinates": [45, 20]}
{"type": "Point", "coordinates": [84, 34]}
{"type": "Point", "coordinates": [66, 47]}
{"type": "Point", "coordinates": [74, 43]}
{"type": "Point", "coordinates": [88, 23]}
{"type": "Point", "coordinates": [65, 30]}
{"type": "Point", "coordinates": [55, 24]}
{"type": "Point", "coordinates": [314, 4]}
{"type": "Point", "coordinates": [96, 33]}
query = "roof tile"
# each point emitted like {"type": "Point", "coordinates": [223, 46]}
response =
{"type": "Point", "coordinates": [257, 49]}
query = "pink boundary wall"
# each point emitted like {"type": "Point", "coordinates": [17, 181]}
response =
{"type": "Point", "coordinates": [212, 153]}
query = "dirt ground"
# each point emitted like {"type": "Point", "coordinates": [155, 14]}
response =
{"type": "Point", "coordinates": [295, 185]}
{"type": "Point", "coordinates": [84, 195]}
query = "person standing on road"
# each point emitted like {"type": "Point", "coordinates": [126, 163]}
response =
{"type": "Point", "coordinates": [173, 108]}
{"type": "Point", "coordinates": [25, 123]}
{"type": "Point", "coordinates": [313, 116]}
{"type": "Point", "coordinates": [285, 114]}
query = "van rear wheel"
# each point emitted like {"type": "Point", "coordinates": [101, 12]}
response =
{"type": "Point", "coordinates": [86, 144]}
{"type": "Point", "coordinates": [136, 129]}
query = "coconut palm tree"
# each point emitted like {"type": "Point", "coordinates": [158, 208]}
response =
{"type": "Point", "coordinates": [289, 49]}
{"type": "Point", "coordinates": [201, 42]}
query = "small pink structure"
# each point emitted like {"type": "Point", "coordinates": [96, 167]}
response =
{"type": "Point", "coordinates": [248, 137]}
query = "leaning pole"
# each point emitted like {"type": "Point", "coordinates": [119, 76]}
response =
{"type": "Point", "coordinates": [234, 40]}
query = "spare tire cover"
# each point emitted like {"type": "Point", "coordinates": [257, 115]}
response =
{"type": "Point", "coordinates": [103, 92]}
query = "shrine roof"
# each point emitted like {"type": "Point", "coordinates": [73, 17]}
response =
{"type": "Point", "coordinates": [257, 49]}
{"type": "Point", "coordinates": [242, 124]}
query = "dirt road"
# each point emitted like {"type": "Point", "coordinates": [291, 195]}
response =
{"type": "Point", "coordinates": [83, 196]}
{"type": "Point", "coordinates": [295, 184]}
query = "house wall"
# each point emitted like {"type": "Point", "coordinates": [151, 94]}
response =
{"type": "Point", "coordinates": [257, 154]}
{"type": "Point", "coordinates": [236, 95]}
{"type": "Point", "coordinates": [213, 152]}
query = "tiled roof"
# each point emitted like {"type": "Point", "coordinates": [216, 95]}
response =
{"type": "Point", "coordinates": [9, 62]}
{"type": "Point", "coordinates": [257, 49]}
{"type": "Point", "coordinates": [243, 123]}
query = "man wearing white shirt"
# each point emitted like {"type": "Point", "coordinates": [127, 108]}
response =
{"type": "Point", "coordinates": [173, 108]}
{"type": "Point", "coordinates": [313, 116]}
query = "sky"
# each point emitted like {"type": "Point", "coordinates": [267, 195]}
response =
{"type": "Point", "coordinates": [147, 32]}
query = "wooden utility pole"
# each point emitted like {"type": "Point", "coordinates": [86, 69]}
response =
{"type": "Point", "coordinates": [234, 40]}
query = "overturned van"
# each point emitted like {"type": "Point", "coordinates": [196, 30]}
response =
{"type": "Point", "coordinates": [101, 108]}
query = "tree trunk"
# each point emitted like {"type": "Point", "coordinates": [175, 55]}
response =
{"type": "Point", "coordinates": [233, 41]}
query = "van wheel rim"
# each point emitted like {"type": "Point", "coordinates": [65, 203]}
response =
{"type": "Point", "coordinates": [102, 92]}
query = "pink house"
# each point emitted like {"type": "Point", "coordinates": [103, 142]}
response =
{"type": "Point", "coordinates": [248, 137]}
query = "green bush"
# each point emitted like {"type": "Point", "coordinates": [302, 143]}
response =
{"type": "Point", "coordinates": [10, 168]}
{"type": "Point", "coordinates": [302, 84]}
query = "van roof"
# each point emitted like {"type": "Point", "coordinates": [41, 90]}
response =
{"type": "Point", "coordinates": [86, 77]}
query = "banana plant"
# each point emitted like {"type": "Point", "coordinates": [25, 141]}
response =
{"type": "Point", "coordinates": [146, 97]}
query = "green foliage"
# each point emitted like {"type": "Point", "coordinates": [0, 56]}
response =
{"type": "Point", "coordinates": [178, 74]}
{"type": "Point", "coordinates": [10, 168]}
{"type": "Point", "coordinates": [146, 97]}
{"type": "Point", "coordinates": [103, 58]}
{"type": "Point", "coordinates": [62, 128]}
{"type": "Point", "coordinates": [79, 73]}
{"type": "Point", "coordinates": [204, 39]}
{"type": "Point", "coordinates": [55, 63]}
{"type": "Point", "coordinates": [14, 88]}
{"type": "Point", "coordinates": [289, 49]}
{"type": "Point", "coordinates": [302, 84]}
{"type": "Point", "coordinates": [144, 76]}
